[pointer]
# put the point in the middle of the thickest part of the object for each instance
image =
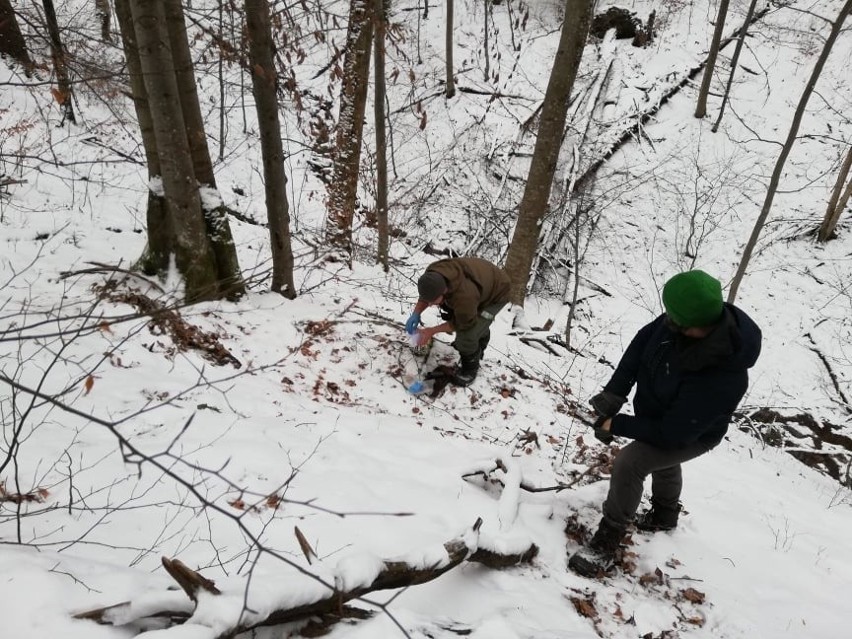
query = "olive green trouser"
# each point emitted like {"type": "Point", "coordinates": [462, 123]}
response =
{"type": "Point", "coordinates": [468, 342]}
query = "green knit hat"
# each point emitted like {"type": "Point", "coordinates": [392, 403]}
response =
{"type": "Point", "coordinates": [693, 299]}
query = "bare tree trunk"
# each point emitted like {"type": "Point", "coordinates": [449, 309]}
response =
{"type": "Point", "coordinates": [343, 190]}
{"type": "Point", "coordinates": [265, 82]}
{"type": "Point", "coordinates": [487, 70]}
{"type": "Point", "coordinates": [785, 150]}
{"type": "Point", "coordinates": [215, 212]}
{"type": "Point", "coordinates": [836, 203]}
{"type": "Point", "coordinates": [701, 107]}
{"type": "Point", "coordinates": [381, 139]}
{"type": "Point", "coordinates": [11, 39]}
{"type": "Point", "coordinates": [220, 71]}
{"type": "Point", "coordinates": [193, 253]}
{"type": "Point", "coordinates": [104, 15]}
{"type": "Point", "coordinates": [578, 14]}
{"type": "Point", "coordinates": [63, 93]}
{"type": "Point", "coordinates": [155, 258]}
{"type": "Point", "coordinates": [451, 85]}
{"type": "Point", "coordinates": [734, 60]}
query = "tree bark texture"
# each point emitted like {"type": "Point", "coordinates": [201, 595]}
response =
{"type": "Point", "coordinates": [785, 150]}
{"type": "Point", "coordinates": [343, 190]}
{"type": "Point", "coordinates": [701, 106]}
{"type": "Point", "coordinates": [486, 49]}
{"type": "Point", "coordinates": [155, 258]}
{"type": "Point", "coordinates": [63, 93]}
{"type": "Point", "coordinates": [265, 82]}
{"type": "Point", "coordinates": [193, 252]}
{"type": "Point", "coordinates": [533, 206]}
{"type": "Point", "coordinates": [381, 137]}
{"type": "Point", "coordinates": [837, 202]}
{"type": "Point", "coordinates": [215, 216]}
{"type": "Point", "coordinates": [451, 84]}
{"type": "Point", "coordinates": [12, 42]}
{"type": "Point", "coordinates": [104, 15]}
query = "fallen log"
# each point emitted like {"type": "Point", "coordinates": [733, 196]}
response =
{"type": "Point", "coordinates": [349, 583]}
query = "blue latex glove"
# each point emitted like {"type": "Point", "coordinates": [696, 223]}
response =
{"type": "Point", "coordinates": [412, 323]}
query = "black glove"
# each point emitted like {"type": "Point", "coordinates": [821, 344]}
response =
{"type": "Point", "coordinates": [600, 434]}
{"type": "Point", "coordinates": [607, 404]}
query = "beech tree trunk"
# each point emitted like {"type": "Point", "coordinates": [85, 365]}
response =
{"type": "Point", "coordinates": [533, 206]}
{"type": "Point", "coordinates": [265, 82]}
{"type": "Point", "coordinates": [11, 39]}
{"type": "Point", "coordinates": [451, 85]}
{"type": "Point", "coordinates": [343, 190]}
{"type": "Point", "coordinates": [103, 13]}
{"type": "Point", "coordinates": [486, 49]}
{"type": "Point", "coordinates": [785, 150]}
{"type": "Point", "coordinates": [381, 139]}
{"type": "Point", "coordinates": [63, 92]}
{"type": "Point", "coordinates": [214, 211]}
{"type": "Point", "coordinates": [155, 258]}
{"type": "Point", "coordinates": [701, 107]}
{"type": "Point", "coordinates": [192, 250]}
{"type": "Point", "coordinates": [837, 202]}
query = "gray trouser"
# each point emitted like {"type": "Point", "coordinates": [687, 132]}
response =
{"type": "Point", "coordinates": [632, 465]}
{"type": "Point", "coordinates": [467, 341]}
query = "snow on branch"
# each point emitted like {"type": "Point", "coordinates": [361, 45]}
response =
{"type": "Point", "coordinates": [237, 606]}
{"type": "Point", "coordinates": [510, 544]}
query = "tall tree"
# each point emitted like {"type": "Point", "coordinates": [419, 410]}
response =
{"type": "Point", "coordinates": [381, 138]}
{"type": "Point", "coordinates": [343, 189]}
{"type": "Point", "coordinates": [486, 71]}
{"type": "Point", "coordinates": [214, 210]}
{"type": "Point", "coordinates": [734, 60]}
{"type": "Point", "coordinates": [265, 84]}
{"type": "Point", "coordinates": [836, 26]}
{"type": "Point", "coordinates": [11, 39]}
{"type": "Point", "coordinates": [192, 248]}
{"type": "Point", "coordinates": [554, 110]}
{"type": "Point", "coordinates": [448, 46]}
{"type": "Point", "coordinates": [104, 15]}
{"type": "Point", "coordinates": [701, 106]}
{"type": "Point", "coordinates": [838, 201]}
{"type": "Point", "coordinates": [63, 92]}
{"type": "Point", "coordinates": [155, 257]}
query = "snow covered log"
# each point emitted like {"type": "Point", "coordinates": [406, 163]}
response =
{"type": "Point", "coordinates": [510, 545]}
{"type": "Point", "coordinates": [227, 610]}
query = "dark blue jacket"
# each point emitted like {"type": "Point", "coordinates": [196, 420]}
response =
{"type": "Point", "coordinates": [686, 389]}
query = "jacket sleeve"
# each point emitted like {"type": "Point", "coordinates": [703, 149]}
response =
{"type": "Point", "coordinates": [704, 401]}
{"type": "Point", "coordinates": [624, 377]}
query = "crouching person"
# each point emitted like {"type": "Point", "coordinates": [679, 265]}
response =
{"type": "Point", "coordinates": [469, 292]}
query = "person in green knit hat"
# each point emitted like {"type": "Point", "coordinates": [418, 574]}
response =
{"type": "Point", "coordinates": [690, 371]}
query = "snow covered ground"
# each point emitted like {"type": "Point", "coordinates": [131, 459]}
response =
{"type": "Point", "coordinates": [315, 429]}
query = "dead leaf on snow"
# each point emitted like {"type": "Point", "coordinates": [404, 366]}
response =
{"type": "Point", "coordinates": [585, 607]}
{"type": "Point", "coordinates": [693, 595]}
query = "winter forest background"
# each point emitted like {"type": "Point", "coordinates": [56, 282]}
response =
{"type": "Point", "coordinates": [212, 216]}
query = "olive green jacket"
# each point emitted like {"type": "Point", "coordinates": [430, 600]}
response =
{"type": "Point", "coordinates": [473, 284]}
